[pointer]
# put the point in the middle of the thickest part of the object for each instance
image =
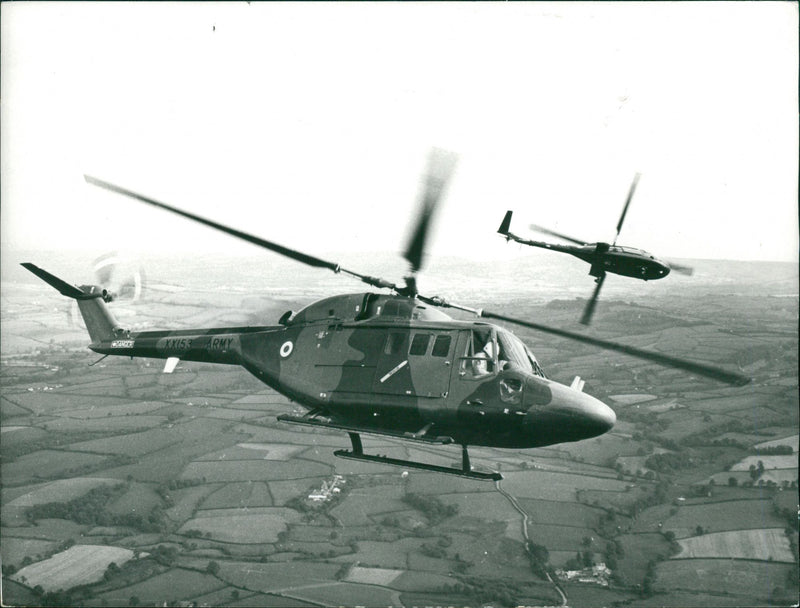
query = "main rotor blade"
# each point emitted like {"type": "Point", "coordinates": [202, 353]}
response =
{"type": "Point", "coordinates": [441, 164]}
{"type": "Point", "coordinates": [544, 230]}
{"type": "Point", "coordinates": [625, 208]}
{"type": "Point", "coordinates": [701, 369]}
{"type": "Point", "coordinates": [293, 254]}
{"type": "Point", "coordinates": [590, 305]}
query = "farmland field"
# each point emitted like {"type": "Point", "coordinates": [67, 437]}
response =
{"type": "Point", "coordinates": [341, 594]}
{"type": "Point", "coordinates": [14, 550]}
{"type": "Point", "coordinates": [46, 464]}
{"type": "Point", "coordinates": [253, 526]}
{"type": "Point", "coordinates": [722, 516]}
{"type": "Point", "coordinates": [373, 576]}
{"type": "Point", "coordinates": [556, 486]}
{"type": "Point", "coordinates": [769, 545]}
{"type": "Point", "coordinates": [167, 587]}
{"type": "Point", "coordinates": [271, 577]}
{"type": "Point", "coordinates": [78, 565]}
{"type": "Point", "coordinates": [770, 462]}
{"type": "Point", "coordinates": [253, 470]}
{"type": "Point", "coordinates": [57, 491]}
{"type": "Point", "coordinates": [241, 494]}
{"type": "Point", "coordinates": [746, 579]}
{"type": "Point", "coordinates": [393, 555]}
{"type": "Point", "coordinates": [792, 441]}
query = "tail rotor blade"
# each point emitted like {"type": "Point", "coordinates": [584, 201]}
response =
{"type": "Point", "coordinates": [627, 203]}
{"type": "Point", "coordinates": [588, 312]}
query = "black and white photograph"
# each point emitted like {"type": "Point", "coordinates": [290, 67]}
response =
{"type": "Point", "coordinates": [399, 304]}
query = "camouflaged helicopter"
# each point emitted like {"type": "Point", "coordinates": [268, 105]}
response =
{"type": "Point", "coordinates": [386, 363]}
{"type": "Point", "coordinates": [604, 258]}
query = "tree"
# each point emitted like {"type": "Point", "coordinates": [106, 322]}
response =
{"type": "Point", "coordinates": [732, 482]}
{"type": "Point", "coordinates": [212, 568]}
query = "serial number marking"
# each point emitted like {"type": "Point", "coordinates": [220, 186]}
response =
{"type": "Point", "coordinates": [178, 343]}
{"type": "Point", "coordinates": [186, 343]}
{"type": "Point", "coordinates": [122, 344]}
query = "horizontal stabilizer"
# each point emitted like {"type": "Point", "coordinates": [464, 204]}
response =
{"type": "Point", "coordinates": [64, 288]}
{"type": "Point", "coordinates": [577, 384]}
{"type": "Point", "coordinates": [171, 364]}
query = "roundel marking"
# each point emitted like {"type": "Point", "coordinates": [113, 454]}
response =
{"type": "Point", "coordinates": [286, 349]}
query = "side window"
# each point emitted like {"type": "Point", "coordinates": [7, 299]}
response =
{"type": "Point", "coordinates": [479, 360]}
{"type": "Point", "coordinates": [394, 343]}
{"type": "Point", "coordinates": [441, 347]}
{"type": "Point", "coordinates": [419, 344]}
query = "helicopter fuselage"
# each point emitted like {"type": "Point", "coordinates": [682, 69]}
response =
{"type": "Point", "coordinates": [391, 363]}
{"type": "Point", "coordinates": [625, 261]}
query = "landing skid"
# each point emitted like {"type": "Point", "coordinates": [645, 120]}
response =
{"type": "Point", "coordinates": [464, 471]}
{"type": "Point", "coordinates": [357, 453]}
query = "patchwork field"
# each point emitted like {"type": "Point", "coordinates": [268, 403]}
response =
{"type": "Point", "coordinates": [216, 489]}
{"type": "Point", "coordinates": [752, 582]}
{"type": "Point", "coordinates": [768, 545]}
{"type": "Point", "coordinates": [167, 587]}
{"type": "Point", "coordinates": [78, 565]}
{"type": "Point", "coordinates": [373, 576]}
{"type": "Point", "coordinates": [722, 516]}
{"type": "Point", "coordinates": [245, 526]}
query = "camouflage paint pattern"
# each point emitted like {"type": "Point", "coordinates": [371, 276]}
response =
{"type": "Point", "coordinates": [386, 363]}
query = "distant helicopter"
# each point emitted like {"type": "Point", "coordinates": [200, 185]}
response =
{"type": "Point", "coordinates": [387, 364]}
{"type": "Point", "coordinates": [604, 258]}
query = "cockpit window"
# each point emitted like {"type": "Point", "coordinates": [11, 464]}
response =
{"type": "Point", "coordinates": [513, 353]}
{"type": "Point", "coordinates": [537, 369]}
{"type": "Point", "coordinates": [479, 358]}
{"type": "Point", "coordinates": [393, 308]}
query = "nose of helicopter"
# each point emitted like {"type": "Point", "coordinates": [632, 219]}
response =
{"type": "Point", "coordinates": [600, 417]}
{"type": "Point", "coordinates": [571, 416]}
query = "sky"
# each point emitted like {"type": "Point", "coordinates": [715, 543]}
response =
{"type": "Point", "coordinates": [309, 124]}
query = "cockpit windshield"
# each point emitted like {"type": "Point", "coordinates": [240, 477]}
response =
{"type": "Point", "coordinates": [514, 351]}
{"type": "Point", "coordinates": [632, 250]}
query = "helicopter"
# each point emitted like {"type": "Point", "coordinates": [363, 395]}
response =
{"type": "Point", "coordinates": [604, 258]}
{"type": "Point", "coordinates": [390, 364]}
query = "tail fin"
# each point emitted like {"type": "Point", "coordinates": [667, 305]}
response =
{"type": "Point", "coordinates": [99, 320]}
{"type": "Point", "coordinates": [504, 227]}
